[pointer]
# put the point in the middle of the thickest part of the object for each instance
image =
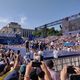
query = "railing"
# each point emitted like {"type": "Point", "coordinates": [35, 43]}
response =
{"type": "Point", "coordinates": [60, 62]}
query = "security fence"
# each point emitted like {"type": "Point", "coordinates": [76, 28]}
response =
{"type": "Point", "coordinates": [69, 60]}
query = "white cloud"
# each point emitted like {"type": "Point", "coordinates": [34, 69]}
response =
{"type": "Point", "coordinates": [4, 20]}
{"type": "Point", "coordinates": [23, 20]}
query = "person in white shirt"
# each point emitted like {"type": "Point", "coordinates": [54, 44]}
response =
{"type": "Point", "coordinates": [55, 53]}
{"type": "Point", "coordinates": [51, 45]}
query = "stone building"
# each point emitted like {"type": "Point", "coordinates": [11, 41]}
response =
{"type": "Point", "coordinates": [15, 28]}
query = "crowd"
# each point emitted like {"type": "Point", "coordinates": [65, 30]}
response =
{"type": "Point", "coordinates": [13, 66]}
{"type": "Point", "coordinates": [58, 42]}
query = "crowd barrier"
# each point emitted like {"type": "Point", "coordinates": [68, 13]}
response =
{"type": "Point", "coordinates": [49, 54]}
{"type": "Point", "coordinates": [68, 60]}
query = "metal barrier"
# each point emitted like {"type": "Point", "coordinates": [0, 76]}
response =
{"type": "Point", "coordinates": [60, 62]}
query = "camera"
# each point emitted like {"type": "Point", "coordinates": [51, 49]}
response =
{"type": "Point", "coordinates": [71, 70]}
{"type": "Point", "coordinates": [74, 77]}
{"type": "Point", "coordinates": [37, 60]}
{"type": "Point", "coordinates": [36, 64]}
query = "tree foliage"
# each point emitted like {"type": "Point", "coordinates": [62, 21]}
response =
{"type": "Point", "coordinates": [44, 32]}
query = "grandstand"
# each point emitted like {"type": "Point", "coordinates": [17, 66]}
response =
{"type": "Point", "coordinates": [10, 39]}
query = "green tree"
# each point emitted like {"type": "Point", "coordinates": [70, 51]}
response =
{"type": "Point", "coordinates": [44, 32]}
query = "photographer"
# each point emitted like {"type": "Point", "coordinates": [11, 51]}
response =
{"type": "Point", "coordinates": [43, 66]}
{"type": "Point", "coordinates": [70, 70]}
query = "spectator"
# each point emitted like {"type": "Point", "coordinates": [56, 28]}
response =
{"type": "Point", "coordinates": [55, 53]}
{"type": "Point", "coordinates": [64, 75]}
{"type": "Point", "coordinates": [47, 75]}
{"type": "Point", "coordinates": [12, 74]}
{"type": "Point", "coordinates": [54, 74]}
{"type": "Point", "coordinates": [27, 46]}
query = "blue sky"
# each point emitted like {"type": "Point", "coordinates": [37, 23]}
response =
{"type": "Point", "coordinates": [34, 13]}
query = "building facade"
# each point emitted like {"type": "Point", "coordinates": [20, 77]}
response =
{"type": "Point", "coordinates": [15, 28]}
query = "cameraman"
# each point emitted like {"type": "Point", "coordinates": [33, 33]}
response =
{"type": "Point", "coordinates": [43, 66]}
{"type": "Point", "coordinates": [64, 75]}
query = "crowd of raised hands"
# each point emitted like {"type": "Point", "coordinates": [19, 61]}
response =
{"type": "Point", "coordinates": [43, 66]}
{"type": "Point", "coordinates": [11, 63]}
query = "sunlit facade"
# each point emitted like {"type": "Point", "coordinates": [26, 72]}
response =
{"type": "Point", "coordinates": [15, 28]}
